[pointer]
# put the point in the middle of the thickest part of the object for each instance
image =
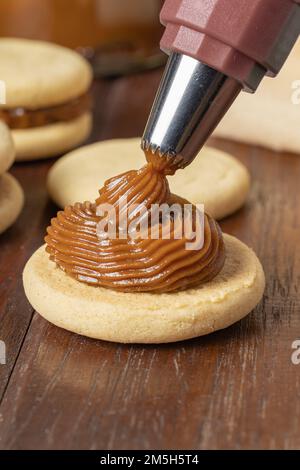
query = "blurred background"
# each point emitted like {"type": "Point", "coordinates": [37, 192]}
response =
{"type": "Point", "coordinates": [117, 36]}
{"type": "Point", "coordinates": [121, 37]}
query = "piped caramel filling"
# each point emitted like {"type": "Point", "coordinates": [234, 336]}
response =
{"type": "Point", "coordinates": [133, 265]}
{"type": "Point", "coordinates": [21, 118]}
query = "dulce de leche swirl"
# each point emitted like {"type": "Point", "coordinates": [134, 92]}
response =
{"type": "Point", "coordinates": [141, 264]}
{"type": "Point", "coordinates": [21, 118]}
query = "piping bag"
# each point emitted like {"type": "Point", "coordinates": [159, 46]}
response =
{"type": "Point", "coordinates": [217, 48]}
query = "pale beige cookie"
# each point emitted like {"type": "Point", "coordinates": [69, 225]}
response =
{"type": "Point", "coordinates": [215, 178]}
{"type": "Point", "coordinates": [41, 74]}
{"type": "Point", "coordinates": [11, 200]}
{"type": "Point", "coordinates": [146, 318]}
{"type": "Point", "coordinates": [48, 141]}
{"type": "Point", "coordinates": [271, 116]}
{"type": "Point", "coordinates": [7, 151]}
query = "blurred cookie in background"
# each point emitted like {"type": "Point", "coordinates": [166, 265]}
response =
{"type": "Point", "coordinates": [215, 179]}
{"type": "Point", "coordinates": [11, 193]}
{"type": "Point", "coordinates": [271, 117]}
{"type": "Point", "coordinates": [7, 151]}
{"type": "Point", "coordinates": [48, 105]}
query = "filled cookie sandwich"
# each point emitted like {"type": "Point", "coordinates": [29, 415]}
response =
{"type": "Point", "coordinates": [47, 102]}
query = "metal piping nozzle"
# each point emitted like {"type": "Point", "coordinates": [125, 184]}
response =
{"type": "Point", "coordinates": [190, 102]}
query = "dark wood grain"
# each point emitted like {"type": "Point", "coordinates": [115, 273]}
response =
{"type": "Point", "coordinates": [236, 388]}
{"type": "Point", "coordinates": [16, 243]}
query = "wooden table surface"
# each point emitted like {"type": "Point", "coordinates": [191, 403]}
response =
{"type": "Point", "coordinates": [236, 388]}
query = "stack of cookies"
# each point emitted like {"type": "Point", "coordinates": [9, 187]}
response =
{"type": "Point", "coordinates": [11, 193]}
{"type": "Point", "coordinates": [47, 104]}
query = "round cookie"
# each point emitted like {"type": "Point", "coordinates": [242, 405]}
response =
{"type": "Point", "coordinates": [214, 179]}
{"type": "Point", "coordinates": [40, 75]}
{"type": "Point", "coordinates": [146, 318]}
{"type": "Point", "coordinates": [11, 200]}
{"type": "Point", "coordinates": [48, 141]}
{"type": "Point", "coordinates": [271, 116]}
{"type": "Point", "coordinates": [7, 151]}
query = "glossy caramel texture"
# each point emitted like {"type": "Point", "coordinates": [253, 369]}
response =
{"type": "Point", "coordinates": [21, 118]}
{"type": "Point", "coordinates": [141, 264]}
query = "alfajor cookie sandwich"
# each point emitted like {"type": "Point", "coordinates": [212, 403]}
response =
{"type": "Point", "coordinates": [47, 102]}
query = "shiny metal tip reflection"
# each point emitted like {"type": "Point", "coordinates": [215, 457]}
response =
{"type": "Point", "coordinates": [156, 150]}
{"type": "Point", "coordinates": [191, 100]}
